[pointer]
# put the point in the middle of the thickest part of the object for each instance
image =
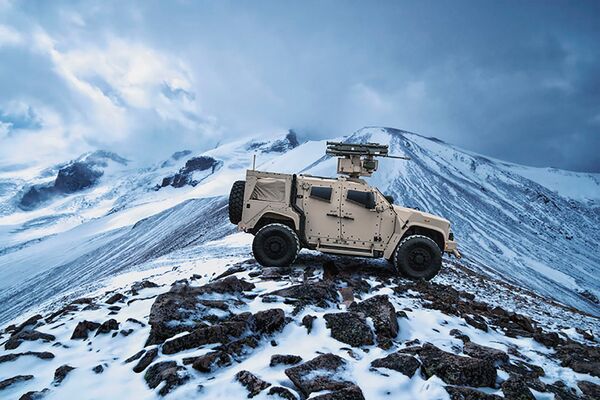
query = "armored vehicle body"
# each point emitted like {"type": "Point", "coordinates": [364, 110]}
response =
{"type": "Point", "coordinates": [343, 215]}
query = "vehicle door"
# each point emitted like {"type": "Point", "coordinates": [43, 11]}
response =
{"type": "Point", "coordinates": [361, 216]}
{"type": "Point", "coordinates": [321, 205]}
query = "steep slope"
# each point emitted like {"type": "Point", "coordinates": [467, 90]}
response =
{"type": "Point", "coordinates": [526, 225]}
{"type": "Point", "coordinates": [207, 322]}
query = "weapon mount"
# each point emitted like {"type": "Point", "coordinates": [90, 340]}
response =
{"type": "Point", "coordinates": [358, 159]}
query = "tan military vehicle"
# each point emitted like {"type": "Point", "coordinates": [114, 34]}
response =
{"type": "Point", "coordinates": [341, 215]}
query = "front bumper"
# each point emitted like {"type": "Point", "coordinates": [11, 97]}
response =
{"type": "Point", "coordinates": [452, 248]}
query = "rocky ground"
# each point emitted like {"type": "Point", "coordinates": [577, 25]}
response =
{"type": "Point", "coordinates": [328, 328]}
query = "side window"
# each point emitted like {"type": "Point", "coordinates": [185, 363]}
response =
{"type": "Point", "coordinates": [321, 193]}
{"type": "Point", "coordinates": [366, 199]}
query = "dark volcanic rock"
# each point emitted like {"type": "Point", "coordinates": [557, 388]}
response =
{"type": "Point", "coordinates": [580, 357]}
{"type": "Point", "coordinates": [180, 309]}
{"type": "Point", "coordinates": [61, 373]}
{"type": "Point", "coordinates": [457, 333]}
{"type": "Point", "coordinates": [307, 321]}
{"type": "Point", "coordinates": [26, 335]}
{"type": "Point", "coordinates": [145, 360]}
{"type": "Point", "coordinates": [487, 353]}
{"type": "Point", "coordinates": [136, 356]}
{"type": "Point", "coordinates": [184, 176]}
{"type": "Point", "coordinates": [383, 315]}
{"type": "Point", "coordinates": [320, 373]}
{"type": "Point", "coordinates": [76, 176]}
{"type": "Point", "coordinates": [206, 362]}
{"type": "Point", "coordinates": [107, 326]}
{"type": "Point", "coordinates": [168, 372]}
{"type": "Point", "coordinates": [14, 380]}
{"type": "Point", "coordinates": [269, 321]}
{"type": "Point", "coordinates": [350, 328]}
{"type": "Point", "coordinates": [33, 395]}
{"type": "Point", "coordinates": [221, 333]}
{"type": "Point", "coordinates": [548, 339]}
{"type": "Point", "coordinates": [83, 329]}
{"type": "Point", "coordinates": [28, 324]}
{"type": "Point", "coordinates": [282, 392]}
{"type": "Point", "coordinates": [403, 363]}
{"type": "Point", "coordinates": [351, 392]}
{"type": "Point", "coordinates": [515, 388]}
{"type": "Point", "coordinates": [98, 369]}
{"type": "Point", "coordinates": [114, 298]}
{"type": "Point", "coordinates": [278, 359]}
{"type": "Point", "coordinates": [240, 346]}
{"type": "Point", "coordinates": [456, 370]}
{"type": "Point", "coordinates": [13, 356]}
{"type": "Point", "coordinates": [136, 287]}
{"type": "Point", "coordinates": [589, 389]}
{"type": "Point", "coordinates": [254, 384]}
{"type": "Point", "coordinates": [463, 393]}
{"type": "Point", "coordinates": [476, 322]}
{"type": "Point", "coordinates": [317, 293]}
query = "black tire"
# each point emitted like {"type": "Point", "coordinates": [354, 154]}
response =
{"type": "Point", "coordinates": [275, 245]}
{"type": "Point", "coordinates": [418, 257]}
{"type": "Point", "coordinates": [236, 202]}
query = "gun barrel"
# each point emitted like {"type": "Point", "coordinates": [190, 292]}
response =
{"type": "Point", "coordinates": [399, 157]}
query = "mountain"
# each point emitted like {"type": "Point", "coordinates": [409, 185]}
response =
{"type": "Point", "coordinates": [146, 254]}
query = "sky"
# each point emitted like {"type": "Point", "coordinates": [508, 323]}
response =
{"type": "Point", "coordinates": [514, 80]}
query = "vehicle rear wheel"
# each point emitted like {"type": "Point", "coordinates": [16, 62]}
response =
{"type": "Point", "coordinates": [236, 202]}
{"type": "Point", "coordinates": [275, 245]}
{"type": "Point", "coordinates": [418, 257]}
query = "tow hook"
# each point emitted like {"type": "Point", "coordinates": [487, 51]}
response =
{"type": "Point", "coordinates": [456, 254]}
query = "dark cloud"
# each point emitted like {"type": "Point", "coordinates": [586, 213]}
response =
{"type": "Point", "coordinates": [518, 81]}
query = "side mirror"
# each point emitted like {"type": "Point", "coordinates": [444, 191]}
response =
{"type": "Point", "coordinates": [389, 198]}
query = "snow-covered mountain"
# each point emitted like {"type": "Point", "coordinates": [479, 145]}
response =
{"type": "Point", "coordinates": [533, 227]}
{"type": "Point", "coordinates": [102, 222]}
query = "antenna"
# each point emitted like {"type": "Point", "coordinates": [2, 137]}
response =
{"type": "Point", "coordinates": [358, 159]}
{"type": "Point", "coordinates": [254, 162]}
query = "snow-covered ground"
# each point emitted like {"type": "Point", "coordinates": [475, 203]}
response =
{"type": "Point", "coordinates": [202, 264]}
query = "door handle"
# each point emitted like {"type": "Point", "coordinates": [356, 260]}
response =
{"type": "Point", "coordinates": [347, 217]}
{"type": "Point", "coordinates": [332, 215]}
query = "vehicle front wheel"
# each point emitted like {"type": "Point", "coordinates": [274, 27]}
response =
{"type": "Point", "coordinates": [418, 257]}
{"type": "Point", "coordinates": [275, 245]}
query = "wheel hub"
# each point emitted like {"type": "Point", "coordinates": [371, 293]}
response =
{"type": "Point", "coordinates": [420, 259]}
{"type": "Point", "coordinates": [274, 247]}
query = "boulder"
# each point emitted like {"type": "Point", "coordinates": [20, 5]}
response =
{"type": "Point", "coordinates": [307, 322]}
{"type": "Point", "coordinates": [269, 321]}
{"type": "Point", "coordinates": [61, 373]}
{"type": "Point", "coordinates": [402, 363]}
{"type": "Point", "coordinates": [350, 328]}
{"type": "Point", "coordinates": [138, 286]}
{"type": "Point", "coordinates": [180, 309]}
{"type": "Point", "coordinates": [282, 393]}
{"type": "Point", "coordinates": [115, 298]}
{"type": "Point", "coordinates": [13, 356]}
{"type": "Point", "coordinates": [98, 369]}
{"type": "Point", "coordinates": [206, 362]}
{"type": "Point", "coordinates": [251, 382]}
{"type": "Point", "coordinates": [221, 333]}
{"type": "Point", "coordinates": [239, 347]}
{"type": "Point", "coordinates": [27, 335]}
{"type": "Point", "coordinates": [580, 357]}
{"type": "Point", "coordinates": [168, 372]}
{"type": "Point", "coordinates": [454, 369]}
{"type": "Point", "coordinates": [383, 314]}
{"type": "Point", "coordinates": [325, 372]}
{"type": "Point", "coordinates": [136, 356]}
{"type": "Point", "coordinates": [5, 384]}
{"type": "Point", "coordinates": [34, 395]}
{"type": "Point", "coordinates": [278, 359]}
{"type": "Point", "coordinates": [318, 293]}
{"type": "Point", "coordinates": [487, 353]}
{"type": "Point", "coordinates": [146, 360]}
{"type": "Point", "coordinates": [351, 392]}
{"type": "Point", "coordinates": [463, 393]}
{"type": "Point", "coordinates": [83, 329]}
{"type": "Point", "coordinates": [591, 390]}
{"type": "Point", "coordinates": [515, 388]}
{"type": "Point", "coordinates": [107, 326]}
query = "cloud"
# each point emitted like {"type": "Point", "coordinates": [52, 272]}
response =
{"type": "Point", "coordinates": [9, 36]}
{"type": "Point", "coordinates": [518, 82]}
